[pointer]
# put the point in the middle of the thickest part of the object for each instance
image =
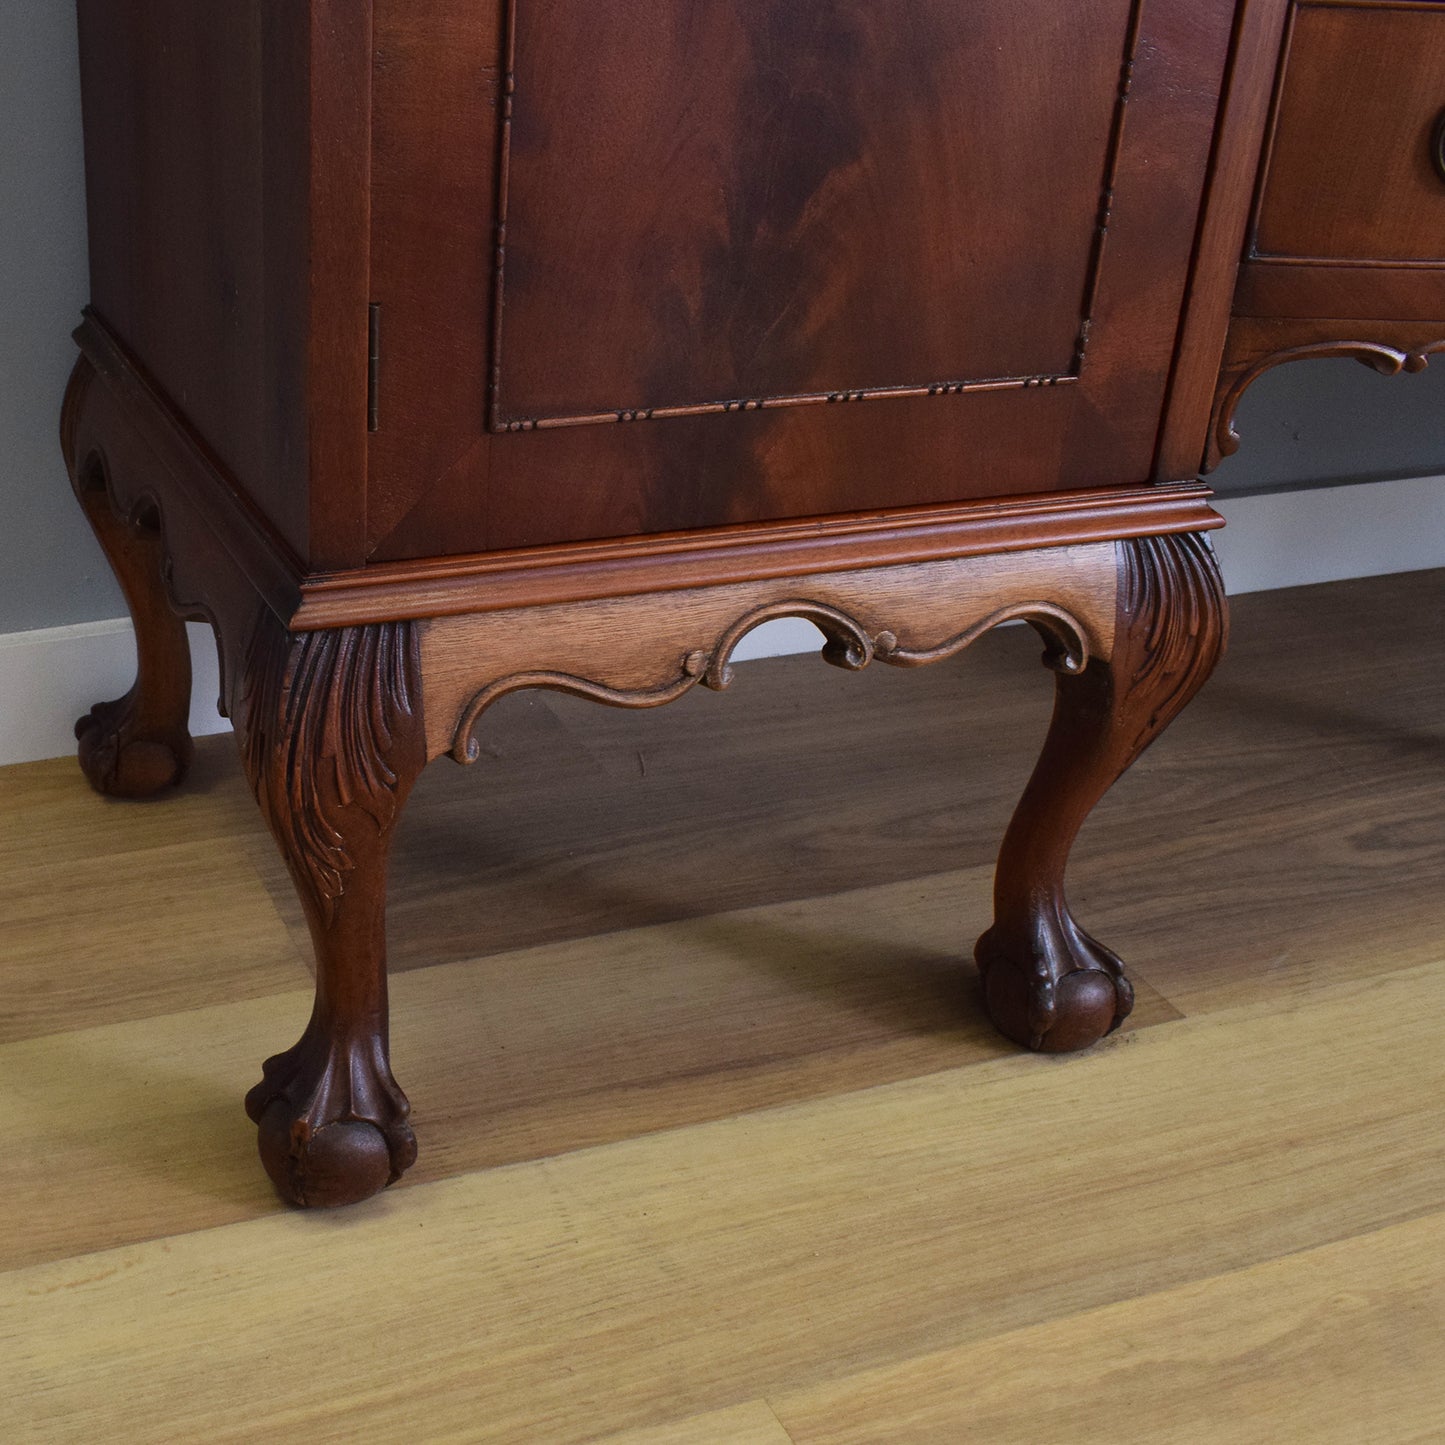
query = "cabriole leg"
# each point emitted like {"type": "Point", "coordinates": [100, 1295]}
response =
{"type": "Point", "coordinates": [140, 743]}
{"type": "Point", "coordinates": [1047, 984]}
{"type": "Point", "coordinates": [331, 736]}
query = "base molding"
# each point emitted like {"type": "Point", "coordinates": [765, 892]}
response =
{"type": "Point", "coordinates": [50, 676]}
{"type": "Point", "coordinates": [641, 652]}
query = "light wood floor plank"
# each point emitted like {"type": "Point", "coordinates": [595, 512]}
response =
{"type": "Point", "coordinates": [48, 813]}
{"type": "Point", "coordinates": [156, 931]}
{"type": "Point", "coordinates": [133, 1131]}
{"type": "Point", "coordinates": [138, 1126]}
{"type": "Point", "coordinates": [752, 1424]}
{"type": "Point", "coordinates": [656, 928]}
{"type": "Point", "coordinates": [664, 1277]}
{"type": "Point", "coordinates": [1335, 1346]}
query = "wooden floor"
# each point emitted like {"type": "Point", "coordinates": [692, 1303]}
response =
{"type": "Point", "coordinates": [715, 1145]}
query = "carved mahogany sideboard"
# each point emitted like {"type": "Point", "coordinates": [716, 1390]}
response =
{"type": "Point", "coordinates": [442, 348]}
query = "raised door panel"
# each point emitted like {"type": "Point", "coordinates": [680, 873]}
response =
{"type": "Point", "coordinates": [757, 260]}
{"type": "Point", "coordinates": [763, 204]}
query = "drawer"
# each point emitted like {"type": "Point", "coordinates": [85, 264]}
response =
{"type": "Point", "coordinates": [1345, 255]}
{"type": "Point", "coordinates": [1353, 173]}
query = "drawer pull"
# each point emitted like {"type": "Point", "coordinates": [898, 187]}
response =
{"type": "Point", "coordinates": [1437, 146]}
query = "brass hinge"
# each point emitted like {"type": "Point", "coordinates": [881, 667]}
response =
{"type": "Point", "coordinates": [373, 370]}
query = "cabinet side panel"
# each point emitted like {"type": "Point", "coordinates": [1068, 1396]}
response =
{"type": "Point", "coordinates": [197, 177]}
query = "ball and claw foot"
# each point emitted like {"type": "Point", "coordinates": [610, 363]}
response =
{"type": "Point", "coordinates": [332, 1124]}
{"type": "Point", "coordinates": [1062, 993]}
{"type": "Point", "coordinates": [120, 764]}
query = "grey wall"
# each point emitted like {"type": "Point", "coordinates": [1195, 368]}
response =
{"type": "Point", "coordinates": [51, 571]}
{"type": "Point", "coordinates": [1336, 421]}
{"type": "Point", "coordinates": [1319, 422]}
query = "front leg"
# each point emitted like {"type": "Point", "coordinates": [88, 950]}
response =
{"type": "Point", "coordinates": [331, 735]}
{"type": "Point", "coordinates": [1047, 984]}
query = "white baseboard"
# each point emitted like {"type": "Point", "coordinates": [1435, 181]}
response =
{"type": "Point", "coordinates": [48, 678]}
{"type": "Point", "coordinates": [1326, 534]}
{"type": "Point", "coordinates": [52, 676]}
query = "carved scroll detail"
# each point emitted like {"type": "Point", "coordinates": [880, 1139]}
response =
{"type": "Point", "coordinates": [1386, 360]}
{"type": "Point", "coordinates": [320, 717]}
{"type": "Point", "coordinates": [848, 645]}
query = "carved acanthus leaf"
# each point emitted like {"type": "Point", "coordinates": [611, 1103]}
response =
{"type": "Point", "coordinates": [322, 714]}
{"type": "Point", "coordinates": [1176, 621]}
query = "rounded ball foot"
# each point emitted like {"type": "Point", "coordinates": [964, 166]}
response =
{"type": "Point", "coordinates": [1053, 1015]}
{"type": "Point", "coordinates": [118, 767]}
{"type": "Point", "coordinates": [1087, 1003]}
{"type": "Point", "coordinates": [341, 1163]}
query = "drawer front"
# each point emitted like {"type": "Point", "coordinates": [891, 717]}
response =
{"type": "Point", "coordinates": [756, 260]}
{"type": "Point", "coordinates": [1353, 173]}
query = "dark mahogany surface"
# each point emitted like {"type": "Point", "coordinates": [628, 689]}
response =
{"type": "Point", "coordinates": [1352, 204]}
{"type": "Point", "coordinates": [227, 163]}
{"type": "Point", "coordinates": [196, 133]}
{"type": "Point", "coordinates": [739, 201]}
{"type": "Point", "coordinates": [725, 203]}
{"type": "Point", "coordinates": [446, 347]}
{"type": "Point", "coordinates": [772, 201]}
{"type": "Point", "coordinates": [1349, 175]}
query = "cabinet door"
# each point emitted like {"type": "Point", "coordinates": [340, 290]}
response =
{"type": "Point", "coordinates": [651, 265]}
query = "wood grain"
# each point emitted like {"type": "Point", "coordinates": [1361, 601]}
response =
{"type": "Point", "coordinates": [165, 911]}
{"type": "Point", "coordinates": [1306, 289]}
{"type": "Point", "coordinates": [196, 222]}
{"type": "Point", "coordinates": [181, 471]}
{"type": "Point", "coordinates": [1343, 254]}
{"type": "Point", "coordinates": [684, 1272]}
{"type": "Point", "coordinates": [762, 204]}
{"type": "Point", "coordinates": [1228, 202]}
{"type": "Point", "coordinates": [655, 649]}
{"type": "Point", "coordinates": [142, 937]}
{"type": "Point", "coordinates": [1349, 175]}
{"type": "Point", "coordinates": [453, 586]}
{"type": "Point", "coordinates": [1307, 1347]}
{"type": "Point", "coordinates": [802, 237]}
{"type": "Point", "coordinates": [753, 1424]}
{"type": "Point", "coordinates": [747, 1146]}
{"type": "Point", "coordinates": [510, 1058]}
